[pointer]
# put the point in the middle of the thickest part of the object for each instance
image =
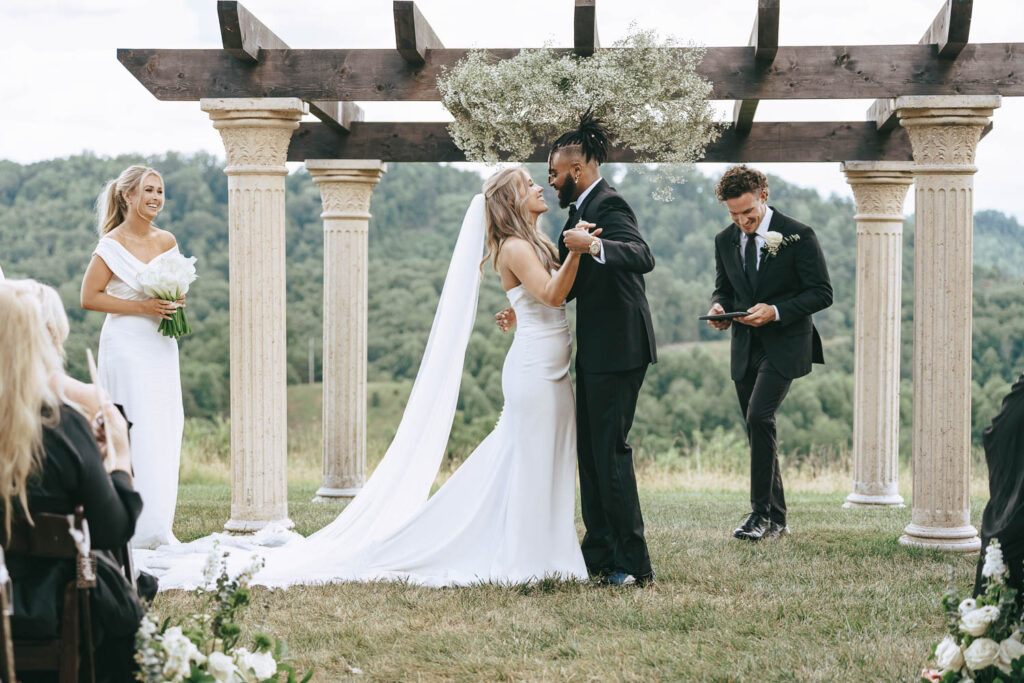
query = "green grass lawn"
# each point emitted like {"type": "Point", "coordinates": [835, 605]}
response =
{"type": "Point", "coordinates": [839, 599]}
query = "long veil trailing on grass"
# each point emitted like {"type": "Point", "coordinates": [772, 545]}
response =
{"type": "Point", "coordinates": [400, 485]}
{"type": "Point", "coordinates": [401, 482]}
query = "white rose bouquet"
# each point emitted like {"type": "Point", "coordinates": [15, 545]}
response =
{"type": "Point", "coordinates": [168, 277]}
{"type": "Point", "coordinates": [204, 647]}
{"type": "Point", "coordinates": [984, 641]}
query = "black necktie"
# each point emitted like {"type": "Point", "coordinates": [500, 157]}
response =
{"type": "Point", "coordinates": [750, 260]}
{"type": "Point", "coordinates": [572, 214]}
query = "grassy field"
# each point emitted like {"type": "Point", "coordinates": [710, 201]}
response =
{"type": "Point", "coordinates": [839, 599]}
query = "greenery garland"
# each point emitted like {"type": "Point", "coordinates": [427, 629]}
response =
{"type": "Point", "coordinates": [652, 99]}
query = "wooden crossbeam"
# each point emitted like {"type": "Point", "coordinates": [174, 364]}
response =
{"type": "Point", "coordinates": [801, 72]}
{"type": "Point", "coordinates": [247, 39]}
{"type": "Point", "coordinates": [766, 142]}
{"type": "Point", "coordinates": [951, 28]}
{"type": "Point", "coordinates": [948, 32]}
{"type": "Point", "coordinates": [584, 28]}
{"type": "Point", "coordinates": [413, 35]}
{"type": "Point", "coordinates": [764, 38]}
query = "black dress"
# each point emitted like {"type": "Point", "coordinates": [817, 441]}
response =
{"type": "Point", "coordinates": [72, 474]}
{"type": "Point", "coordinates": [1004, 514]}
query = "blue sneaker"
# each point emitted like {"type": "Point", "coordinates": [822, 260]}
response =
{"type": "Point", "coordinates": [618, 579]}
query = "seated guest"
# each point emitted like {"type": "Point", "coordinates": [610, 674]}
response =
{"type": "Point", "coordinates": [1004, 513]}
{"type": "Point", "coordinates": [52, 463]}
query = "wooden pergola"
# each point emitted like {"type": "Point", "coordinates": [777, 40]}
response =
{"type": "Point", "coordinates": [934, 101]}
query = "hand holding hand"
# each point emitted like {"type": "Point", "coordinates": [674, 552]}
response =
{"type": "Point", "coordinates": [505, 319]}
{"type": "Point", "coordinates": [718, 324]}
{"type": "Point", "coordinates": [161, 308]}
{"type": "Point", "coordinates": [760, 314]}
{"type": "Point", "coordinates": [578, 239]}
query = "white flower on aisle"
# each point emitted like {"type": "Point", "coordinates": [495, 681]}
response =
{"type": "Point", "coordinates": [982, 653]}
{"type": "Point", "coordinates": [255, 666]}
{"type": "Point", "coordinates": [994, 569]}
{"type": "Point", "coordinates": [976, 622]}
{"type": "Point", "coordinates": [948, 655]}
{"type": "Point", "coordinates": [1010, 650]}
{"type": "Point", "coordinates": [168, 277]}
{"type": "Point", "coordinates": [968, 605]}
{"type": "Point", "coordinates": [221, 667]}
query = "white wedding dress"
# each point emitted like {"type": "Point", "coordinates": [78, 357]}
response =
{"type": "Point", "coordinates": [507, 515]}
{"type": "Point", "coordinates": [138, 366]}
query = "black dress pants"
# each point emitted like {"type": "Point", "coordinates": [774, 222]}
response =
{"type": "Point", "coordinates": [760, 393]}
{"type": "Point", "coordinates": [614, 540]}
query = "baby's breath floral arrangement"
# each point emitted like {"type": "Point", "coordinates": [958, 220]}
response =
{"type": "Point", "coordinates": [204, 647]}
{"type": "Point", "coordinates": [647, 91]}
{"type": "Point", "coordinates": [984, 642]}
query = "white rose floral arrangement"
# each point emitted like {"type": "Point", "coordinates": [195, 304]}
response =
{"type": "Point", "coordinates": [775, 242]}
{"type": "Point", "coordinates": [984, 643]}
{"type": "Point", "coordinates": [203, 648]}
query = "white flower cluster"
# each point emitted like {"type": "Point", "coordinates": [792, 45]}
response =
{"type": "Point", "coordinates": [652, 99]}
{"type": "Point", "coordinates": [985, 635]}
{"type": "Point", "coordinates": [168, 276]}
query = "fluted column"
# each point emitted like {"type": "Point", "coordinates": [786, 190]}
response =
{"type": "Point", "coordinates": [879, 189]}
{"type": "Point", "coordinates": [345, 189]}
{"type": "Point", "coordinates": [256, 133]}
{"type": "Point", "coordinates": [944, 133]}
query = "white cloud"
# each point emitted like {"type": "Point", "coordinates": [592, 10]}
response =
{"type": "Point", "coordinates": [65, 92]}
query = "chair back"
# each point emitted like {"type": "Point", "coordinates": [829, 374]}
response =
{"type": "Point", "coordinates": [6, 639]}
{"type": "Point", "coordinates": [57, 537]}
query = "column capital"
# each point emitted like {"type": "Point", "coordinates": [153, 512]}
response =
{"type": "Point", "coordinates": [879, 190]}
{"type": "Point", "coordinates": [346, 186]}
{"type": "Point", "coordinates": [256, 131]}
{"type": "Point", "coordinates": [945, 129]}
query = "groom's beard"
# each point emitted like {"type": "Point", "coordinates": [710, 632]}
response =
{"type": "Point", "coordinates": [567, 193]}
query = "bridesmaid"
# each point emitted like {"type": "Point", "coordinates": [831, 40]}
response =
{"type": "Point", "coordinates": [138, 366]}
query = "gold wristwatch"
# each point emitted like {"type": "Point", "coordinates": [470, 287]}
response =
{"type": "Point", "coordinates": [595, 247]}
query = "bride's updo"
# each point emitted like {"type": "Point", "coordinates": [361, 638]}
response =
{"type": "Point", "coordinates": [506, 195]}
{"type": "Point", "coordinates": [112, 204]}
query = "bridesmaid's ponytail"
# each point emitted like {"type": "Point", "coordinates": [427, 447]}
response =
{"type": "Point", "coordinates": [112, 204]}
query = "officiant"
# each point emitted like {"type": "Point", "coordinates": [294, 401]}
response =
{"type": "Point", "coordinates": [771, 267]}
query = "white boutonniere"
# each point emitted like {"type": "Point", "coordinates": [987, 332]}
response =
{"type": "Point", "coordinates": [774, 242]}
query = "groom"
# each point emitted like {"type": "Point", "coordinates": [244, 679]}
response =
{"type": "Point", "coordinates": [615, 344]}
{"type": "Point", "coordinates": [770, 266]}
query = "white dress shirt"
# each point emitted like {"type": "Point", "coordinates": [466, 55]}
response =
{"type": "Point", "coordinates": [762, 229]}
{"type": "Point", "coordinates": [579, 202]}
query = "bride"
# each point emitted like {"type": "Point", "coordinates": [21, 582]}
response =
{"type": "Point", "coordinates": [507, 515]}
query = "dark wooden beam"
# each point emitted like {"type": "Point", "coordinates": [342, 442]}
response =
{"type": "Point", "coordinates": [766, 142]}
{"type": "Point", "coordinates": [413, 35]}
{"type": "Point", "coordinates": [584, 28]}
{"type": "Point", "coordinates": [951, 28]}
{"type": "Point", "coordinates": [948, 32]}
{"type": "Point", "coordinates": [764, 38]}
{"type": "Point", "coordinates": [244, 37]}
{"type": "Point", "coordinates": [242, 34]}
{"type": "Point", "coordinates": [836, 72]}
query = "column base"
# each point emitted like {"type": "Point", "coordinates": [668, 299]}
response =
{"type": "Point", "coordinates": [251, 526]}
{"type": "Point", "coordinates": [866, 500]}
{"type": "Point", "coordinates": [960, 539]}
{"type": "Point", "coordinates": [327, 494]}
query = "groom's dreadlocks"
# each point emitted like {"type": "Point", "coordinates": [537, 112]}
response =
{"type": "Point", "coordinates": [591, 137]}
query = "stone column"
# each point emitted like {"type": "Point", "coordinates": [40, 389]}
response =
{"type": "Point", "coordinates": [879, 188]}
{"type": "Point", "coordinates": [345, 189]}
{"type": "Point", "coordinates": [256, 133]}
{"type": "Point", "coordinates": [944, 132]}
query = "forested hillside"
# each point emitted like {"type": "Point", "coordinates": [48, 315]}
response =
{"type": "Point", "coordinates": [47, 231]}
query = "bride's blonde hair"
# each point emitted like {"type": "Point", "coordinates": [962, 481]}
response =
{"type": "Point", "coordinates": [506, 194]}
{"type": "Point", "coordinates": [112, 204]}
{"type": "Point", "coordinates": [28, 363]}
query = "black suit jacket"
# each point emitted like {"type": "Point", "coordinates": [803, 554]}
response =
{"type": "Point", "coordinates": [795, 281]}
{"type": "Point", "coordinates": [613, 321]}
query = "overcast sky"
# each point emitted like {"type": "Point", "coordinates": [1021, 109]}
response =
{"type": "Point", "coordinates": [65, 92]}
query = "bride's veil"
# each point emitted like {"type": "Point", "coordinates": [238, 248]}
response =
{"type": "Point", "coordinates": [401, 482]}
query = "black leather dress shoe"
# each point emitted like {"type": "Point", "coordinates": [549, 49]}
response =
{"type": "Point", "coordinates": [753, 529]}
{"type": "Point", "coordinates": [777, 530]}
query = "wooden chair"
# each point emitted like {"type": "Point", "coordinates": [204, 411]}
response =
{"type": "Point", "coordinates": [51, 538]}
{"type": "Point", "coordinates": [6, 640]}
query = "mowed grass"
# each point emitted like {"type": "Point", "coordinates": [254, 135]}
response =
{"type": "Point", "coordinates": [839, 599]}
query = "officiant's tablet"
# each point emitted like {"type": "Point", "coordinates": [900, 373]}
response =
{"type": "Point", "coordinates": [725, 316]}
